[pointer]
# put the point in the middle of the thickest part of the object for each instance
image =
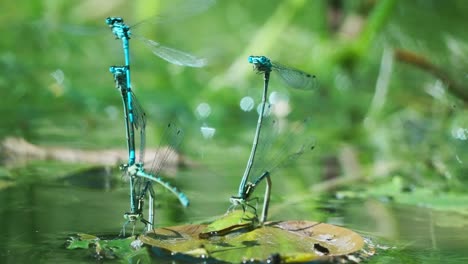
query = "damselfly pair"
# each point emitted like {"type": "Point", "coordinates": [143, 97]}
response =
{"type": "Point", "coordinates": [141, 181]}
{"type": "Point", "coordinates": [295, 79]}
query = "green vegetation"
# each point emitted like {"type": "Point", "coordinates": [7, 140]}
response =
{"type": "Point", "coordinates": [389, 116]}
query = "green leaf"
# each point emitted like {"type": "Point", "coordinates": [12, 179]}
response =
{"type": "Point", "coordinates": [129, 250]}
{"type": "Point", "coordinates": [233, 221]}
{"type": "Point", "coordinates": [81, 241]}
{"type": "Point", "coordinates": [291, 241]}
{"type": "Point", "coordinates": [75, 244]}
{"type": "Point", "coordinates": [237, 237]}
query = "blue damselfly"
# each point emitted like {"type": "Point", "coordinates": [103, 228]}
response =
{"type": "Point", "coordinates": [295, 79]}
{"type": "Point", "coordinates": [140, 181]}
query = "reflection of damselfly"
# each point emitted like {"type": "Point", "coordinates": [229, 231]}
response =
{"type": "Point", "coordinates": [295, 79]}
{"type": "Point", "coordinates": [141, 181]}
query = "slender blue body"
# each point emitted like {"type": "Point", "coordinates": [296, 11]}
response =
{"type": "Point", "coordinates": [139, 180]}
{"type": "Point", "coordinates": [122, 31]}
{"type": "Point", "coordinates": [242, 187]}
{"type": "Point", "coordinates": [120, 76]}
{"type": "Point", "coordinates": [181, 196]}
{"type": "Point", "coordinates": [293, 78]}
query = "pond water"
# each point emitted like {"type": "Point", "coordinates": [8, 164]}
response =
{"type": "Point", "coordinates": [37, 219]}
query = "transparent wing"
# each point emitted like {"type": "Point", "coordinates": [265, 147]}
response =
{"type": "Point", "coordinates": [295, 78]}
{"type": "Point", "coordinates": [167, 153]}
{"type": "Point", "coordinates": [174, 56]}
{"type": "Point", "coordinates": [168, 148]}
{"type": "Point", "coordinates": [280, 145]}
{"type": "Point", "coordinates": [266, 138]}
{"type": "Point", "coordinates": [140, 125]}
{"type": "Point", "coordinates": [140, 115]}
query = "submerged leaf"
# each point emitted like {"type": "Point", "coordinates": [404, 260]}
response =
{"type": "Point", "coordinates": [127, 249]}
{"type": "Point", "coordinates": [78, 244]}
{"type": "Point", "coordinates": [81, 241]}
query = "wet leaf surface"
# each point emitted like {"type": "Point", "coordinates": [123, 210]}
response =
{"type": "Point", "coordinates": [234, 221]}
{"type": "Point", "coordinates": [288, 241]}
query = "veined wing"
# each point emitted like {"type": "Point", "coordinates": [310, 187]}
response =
{"type": "Point", "coordinates": [168, 148]}
{"type": "Point", "coordinates": [140, 125]}
{"type": "Point", "coordinates": [174, 56]}
{"type": "Point", "coordinates": [295, 78]}
{"type": "Point", "coordinates": [167, 151]}
{"type": "Point", "coordinates": [139, 113]}
{"type": "Point", "coordinates": [281, 146]}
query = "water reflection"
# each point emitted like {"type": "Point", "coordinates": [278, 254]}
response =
{"type": "Point", "coordinates": [36, 220]}
{"type": "Point", "coordinates": [411, 234]}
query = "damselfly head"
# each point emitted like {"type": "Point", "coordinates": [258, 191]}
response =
{"type": "Point", "coordinates": [113, 20]}
{"type": "Point", "coordinates": [119, 28]}
{"type": "Point", "coordinates": [262, 60]}
{"type": "Point", "coordinates": [117, 69]}
{"type": "Point", "coordinates": [260, 63]}
{"type": "Point", "coordinates": [259, 60]}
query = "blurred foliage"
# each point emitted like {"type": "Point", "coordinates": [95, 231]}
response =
{"type": "Point", "coordinates": [389, 118]}
{"type": "Point", "coordinates": [373, 116]}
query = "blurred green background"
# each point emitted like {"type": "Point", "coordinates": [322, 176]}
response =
{"type": "Point", "coordinates": [388, 117]}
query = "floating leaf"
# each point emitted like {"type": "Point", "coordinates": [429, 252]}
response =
{"type": "Point", "coordinates": [234, 237]}
{"type": "Point", "coordinates": [234, 221]}
{"type": "Point", "coordinates": [288, 241]}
